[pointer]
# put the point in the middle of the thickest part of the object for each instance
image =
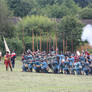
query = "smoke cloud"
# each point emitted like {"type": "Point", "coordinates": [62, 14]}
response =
{"type": "Point", "coordinates": [87, 34]}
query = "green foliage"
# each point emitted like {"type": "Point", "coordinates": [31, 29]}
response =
{"type": "Point", "coordinates": [34, 24]}
{"type": "Point", "coordinates": [72, 6]}
{"type": "Point", "coordinates": [44, 3]}
{"type": "Point", "coordinates": [21, 7]}
{"type": "Point", "coordinates": [70, 28]}
{"type": "Point", "coordinates": [90, 50]}
{"type": "Point", "coordinates": [50, 8]}
{"type": "Point", "coordinates": [83, 3]}
{"type": "Point", "coordinates": [55, 11]}
{"type": "Point", "coordinates": [68, 7]}
{"type": "Point", "coordinates": [6, 27]}
{"type": "Point", "coordinates": [15, 44]}
{"type": "Point", "coordinates": [90, 5]}
{"type": "Point", "coordinates": [86, 13]}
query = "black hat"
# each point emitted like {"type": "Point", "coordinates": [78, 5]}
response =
{"type": "Point", "coordinates": [7, 51]}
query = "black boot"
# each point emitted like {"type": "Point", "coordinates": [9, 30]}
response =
{"type": "Point", "coordinates": [6, 69]}
{"type": "Point", "coordinates": [11, 68]}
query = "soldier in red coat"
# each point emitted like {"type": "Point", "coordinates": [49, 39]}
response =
{"type": "Point", "coordinates": [7, 61]}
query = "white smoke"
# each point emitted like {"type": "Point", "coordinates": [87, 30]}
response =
{"type": "Point", "coordinates": [87, 34]}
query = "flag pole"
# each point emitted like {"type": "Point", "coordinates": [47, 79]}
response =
{"type": "Point", "coordinates": [6, 46]}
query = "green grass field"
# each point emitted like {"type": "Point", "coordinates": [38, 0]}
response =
{"type": "Point", "coordinates": [18, 81]}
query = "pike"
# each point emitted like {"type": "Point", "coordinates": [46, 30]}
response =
{"type": "Point", "coordinates": [47, 44]}
{"type": "Point", "coordinates": [23, 40]}
{"type": "Point", "coordinates": [56, 45]}
{"type": "Point", "coordinates": [37, 41]}
{"type": "Point", "coordinates": [40, 42]}
{"type": "Point", "coordinates": [53, 44]}
{"type": "Point", "coordinates": [33, 40]}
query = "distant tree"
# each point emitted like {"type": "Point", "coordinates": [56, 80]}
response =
{"type": "Point", "coordinates": [55, 11]}
{"type": "Point", "coordinates": [15, 44]}
{"type": "Point", "coordinates": [39, 25]}
{"type": "Point", "coordinates": [86, 13]}
{"type": "Point", "coordinates": [36, 23]}
{"type": "Point", "coordinates": [74, 9]}
{"type": "Point", "coordinates": [6, 27]}
{"type": "Point", "coordinates": [44, 3]}
{"type": "Point", "coordinates": [83, 3]}
{"type": "Point", "coordinates": [50, 8]}
{"type": "Point", "coordinates": [68, 7]}
{"type": "Point", "coordinates": [70, 28]}
{"type": "Point", "coordinates": [90, 5]}
{"type": "Point", "coordinates": [21, 7]}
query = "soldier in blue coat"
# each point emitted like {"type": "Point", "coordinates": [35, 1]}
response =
{"type": "Point", "coordinates": [86, 68]}
{"type": "Point", "coordinates": [44, 66]}
{"type": "Point", "coordinates": [90, 64]}
{"type": "Point", "coordinates": [71, 64]}
{"type": "Point", "coordinates": [77, 67]}
{"type": "Point", "coordinates": [66, 66]}
{"type": "Point", "coordinates": [30, 66]}
{"type": "Point", "coordinates": [61, 64]}
{"type": "Point", "coordinates": [56, 65]}
{"type": "Point", "coordinates": [25, 63]}
{"type": "Point", "coordinates": [37, 65]}
{"type": "Point", "coordinates": [82, 59]}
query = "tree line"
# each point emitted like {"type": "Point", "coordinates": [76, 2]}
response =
{"type": "Point", "coordinates": [44, 23]}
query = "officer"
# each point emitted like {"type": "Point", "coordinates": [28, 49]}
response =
{"type": "Point", "coordinates": [7, 60]}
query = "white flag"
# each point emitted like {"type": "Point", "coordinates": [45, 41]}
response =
{"type": "Point", "coordinates": [6, 46]}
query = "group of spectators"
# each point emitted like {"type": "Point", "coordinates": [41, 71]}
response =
{"type": "Point", "coordinates": [68, 63]}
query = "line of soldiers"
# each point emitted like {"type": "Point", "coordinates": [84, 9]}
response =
{"type": "Point", "coordinates": [68, 63]}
